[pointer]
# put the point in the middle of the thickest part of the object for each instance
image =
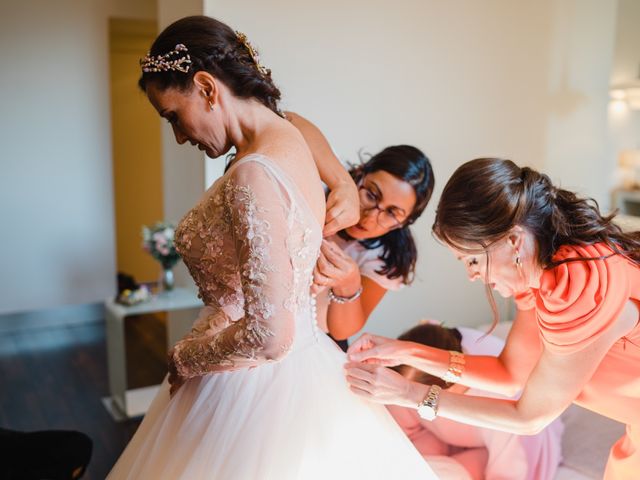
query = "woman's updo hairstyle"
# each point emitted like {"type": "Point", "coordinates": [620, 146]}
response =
{"type": "Point", "coordinates": [213, 47]}
{"type": "Point", "coordinates": [486, 197]}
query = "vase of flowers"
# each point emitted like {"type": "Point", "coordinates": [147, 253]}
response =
{"type": "Point", "coordinates": [158, 241]}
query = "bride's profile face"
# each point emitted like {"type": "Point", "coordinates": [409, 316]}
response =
{"type": "Point", "coordinates": [191, 118]}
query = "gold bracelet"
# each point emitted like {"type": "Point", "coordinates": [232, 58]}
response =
{"type": "Point", "coordinates": [456, 367]}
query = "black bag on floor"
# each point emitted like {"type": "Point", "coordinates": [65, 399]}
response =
{"type": "Point", "coordinates": [50, 455]}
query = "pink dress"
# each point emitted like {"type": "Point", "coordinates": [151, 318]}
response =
{"type": "Point", "coordinates": [510, 457]}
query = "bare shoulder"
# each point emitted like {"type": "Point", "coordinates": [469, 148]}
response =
{"type": "Point", "coordinates": [285, 144]}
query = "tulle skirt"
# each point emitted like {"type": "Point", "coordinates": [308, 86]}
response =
{"type": "Point", "coordinates": [291, 420]}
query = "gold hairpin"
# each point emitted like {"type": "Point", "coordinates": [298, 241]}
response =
{"type": "Point", "coordinates": [253, 52]}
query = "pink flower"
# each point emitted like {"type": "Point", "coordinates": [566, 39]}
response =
{"type": "Point", "coordinates": [160, 239]}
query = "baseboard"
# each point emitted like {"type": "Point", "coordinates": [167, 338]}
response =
{"type": "Point", "coordinates": [56, 317]}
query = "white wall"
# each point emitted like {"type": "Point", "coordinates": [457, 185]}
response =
{"type": "Point", "coordinates": [457, 79]}
{"type": "Point", "coordinates": [577, 81]}
{"type": "Point", "coordinates": [624, 123]}
{"type": "Point", "coordinates": [56, 205]}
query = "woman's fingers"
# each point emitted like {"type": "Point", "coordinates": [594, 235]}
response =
{"type": "Point", "coordinates": [334, 254]}
{"type": "Point", "coordinates": [320, 279]}
{"type": "Point", "coordinates": [378, 355]}
{"type": "Point", "coordinates": [325, 267]}
{"type": "Point", "coordinates": [343, 209]}
{"type": "Point", "coordinates": [364, 342]}
{"type": "Point", "coordinates": [362, 355]}
{"type": "Point", "coordinates": [360, 392]}
{"type": "Point", "coordinates": [361, 371]}
{"type": "Point", "coordinates": [358, 383]}
{"type": "Point", "coordinates": [335, 221]}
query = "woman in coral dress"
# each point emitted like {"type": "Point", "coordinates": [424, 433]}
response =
{"type": "Point", "coordinates": [576, 337]}
{"type": "Point", "coordinates": [482, 452]}
{"type": "Point", "coordinates": [256, 390]}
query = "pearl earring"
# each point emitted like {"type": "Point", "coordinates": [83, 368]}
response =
{"type": "Point", "coordinates": [206, 95]}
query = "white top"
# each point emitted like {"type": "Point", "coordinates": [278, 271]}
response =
{"type": "Point", "coordinates": [368, 261]}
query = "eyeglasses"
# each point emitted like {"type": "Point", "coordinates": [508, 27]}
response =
{"type": "Point", "coordinates": [369, 201]}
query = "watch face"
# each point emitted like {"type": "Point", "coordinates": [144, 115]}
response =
{"type": "Point", "coordinates": [426, 412]}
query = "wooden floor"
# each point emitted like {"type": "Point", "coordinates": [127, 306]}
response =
{"type": "Point", "coordinates": [55, 379]}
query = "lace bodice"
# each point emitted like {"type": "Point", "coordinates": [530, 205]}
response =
{"type": "Point", "coordinates": [250, 244]}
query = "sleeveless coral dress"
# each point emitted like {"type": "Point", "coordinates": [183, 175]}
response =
{"type": "Point", "coordinates": [576, 303]}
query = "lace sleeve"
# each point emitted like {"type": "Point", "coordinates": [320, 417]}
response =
{"type": "Point", "coordinates": [257, 211]}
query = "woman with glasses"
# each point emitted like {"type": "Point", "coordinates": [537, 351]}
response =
{"type": "Point", "coordinates": [360, 263]}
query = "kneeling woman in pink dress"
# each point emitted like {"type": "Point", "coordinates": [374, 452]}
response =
{"type": "Point", "coordinates": [576, 337]}
{"type": "Point", "coordinates": [481, 452]}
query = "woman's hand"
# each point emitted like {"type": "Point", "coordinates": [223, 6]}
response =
{"type": "Point", "coordinates": [336, 270]}
{"type": "Point", "coordinates": [343, 208]}
{"type": "Point", "coordinates": [383, 385]}
{"type": "Point", "coordinates": [175, 380]}
{"type": "Point", "coordinates": [373, 349]}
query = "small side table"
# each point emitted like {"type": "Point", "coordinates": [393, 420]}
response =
{"type": "Point", "coordinates": [123, 403]}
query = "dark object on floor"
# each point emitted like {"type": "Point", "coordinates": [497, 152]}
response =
{"type": "Point", "coordinates": [51, 455]}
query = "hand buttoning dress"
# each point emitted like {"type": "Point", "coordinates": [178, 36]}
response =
{"type": "Point", "coordinates": [282, 409]}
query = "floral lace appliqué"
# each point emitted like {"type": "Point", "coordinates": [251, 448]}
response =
{"type": "Point", "coordinates": [244, 219]}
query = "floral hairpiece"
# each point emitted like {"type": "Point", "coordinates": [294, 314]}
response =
{"type": "Point", "coordinates": [168, 62]}
{"type": "Point", "coordinates": [253, 52]}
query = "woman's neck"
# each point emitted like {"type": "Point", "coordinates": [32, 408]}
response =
{"type": "Point", "coordinates": [247, 126]}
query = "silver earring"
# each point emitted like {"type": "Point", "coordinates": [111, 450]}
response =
{"type": "Point", "coordinates": [210, 104]}
{"type": "Point", "coordinates": [517, 260]}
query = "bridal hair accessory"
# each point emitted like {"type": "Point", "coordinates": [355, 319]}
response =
{"type": "Point", "coordinates": [253, 52]}
{"type": "Point", "coordinates": [456, 367]}
{"type": "Point", "coordinates": [176, 60]}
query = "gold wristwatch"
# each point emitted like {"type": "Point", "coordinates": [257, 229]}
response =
{"type": "Point", "coordinates": [428, 408]}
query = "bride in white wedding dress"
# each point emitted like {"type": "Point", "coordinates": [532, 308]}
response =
{"type": "Point", "coordinates": [257, 390]}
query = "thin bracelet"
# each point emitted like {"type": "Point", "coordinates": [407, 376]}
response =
{"type": "Point", "coordinates": [337, 299]}
{"type": "Point", "coordinates": [456, 367]}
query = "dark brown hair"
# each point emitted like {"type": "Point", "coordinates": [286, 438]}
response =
{"type": "Point", "coordinates": [486, 197]}
{"type": "Point", "coordinates": [411, 165]}
{"type": "Point", "coordinates": [215, 48]}
{"type": "Point", "coordinates": [434, 336]}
